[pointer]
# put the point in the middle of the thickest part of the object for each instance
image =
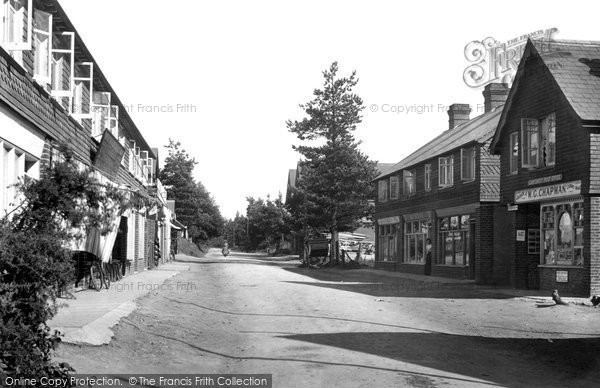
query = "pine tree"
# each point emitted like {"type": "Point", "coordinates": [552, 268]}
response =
{"type": "Point", "coordinates": [335, 176]}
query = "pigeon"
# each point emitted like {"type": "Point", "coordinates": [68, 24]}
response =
{"type": "Point", "coordinates": [595, 300]}
{"type": "Point", "coordinates": [557, 299]}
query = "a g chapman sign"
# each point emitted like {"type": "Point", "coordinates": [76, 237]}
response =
{"type": "Point", "coordinates": [558, 190]}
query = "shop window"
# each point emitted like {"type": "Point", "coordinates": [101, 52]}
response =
{"type": "Point", "coordinates": [388, 238]}
{"type": "Point", "coordinates": [514, 152]}
{"type": "Point", "coordinates": [455, 237]}
{"type": "Point", "coordinates": [383, 191]}
{"type": "Point", "coordinates": [42, 33]}
{"type": "Point", "coordinates": [394, 188]}
{"type": "Point", "coordinates": [539, 142]}
{"type": "Point", "coordinates": [562, 228]}
{"type": "Point", "coordinates": [409, 182]}
{"type": "Point", "coordinates": [467, 164]}
{"type": "Point", "coordinates": [446, 171]}
{"type": "Point", "coordinates": [416, 234]}
{"type": "Point", "coordinates": [427, 177]}
{"type": "Point", "coordinates": [15, 25]}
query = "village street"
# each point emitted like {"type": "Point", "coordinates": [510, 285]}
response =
{"type": "Point", "coordinates": [345, 328]}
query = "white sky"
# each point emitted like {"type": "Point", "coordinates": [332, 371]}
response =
{"type": "Point", "coordinates": [246, 65]}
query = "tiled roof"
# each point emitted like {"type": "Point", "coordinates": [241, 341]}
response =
{"type": "Point", "coordinates": [480, 129]}
{"type": "Point", "coordinates": [575, 65]}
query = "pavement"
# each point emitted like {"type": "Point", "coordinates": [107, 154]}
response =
{"type": "Point", "coordinates": [90, 316]}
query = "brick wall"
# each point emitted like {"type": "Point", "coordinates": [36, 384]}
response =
{"type": "Point", "coordinates": [594, 245]}
{"type": "Point", "coordinates": [484, 244]}
{"type": "Point", "coordinates": [594, 163]}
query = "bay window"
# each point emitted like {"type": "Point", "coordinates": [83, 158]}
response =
{"type": "Point", "coordinates": [446, 171]}
{"type": "Point", "coordinates": [467, 164]}
{"type": "Point", "coordinates": [409, 179]}
{"type": "Point", "coordinates": [42, 32]}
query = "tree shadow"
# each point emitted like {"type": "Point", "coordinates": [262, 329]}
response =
{"type": "Point", "coordinates": [378, 285]}
{"type": "Point", "coordinates": [514, 362]}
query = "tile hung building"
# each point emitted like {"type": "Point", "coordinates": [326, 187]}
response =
{"type": "Point", "coordinates": [549, 141]}
{"type": "Point", "coordinates": [52, 91]}
{"type": "Point", "coordinates": [447, 191]}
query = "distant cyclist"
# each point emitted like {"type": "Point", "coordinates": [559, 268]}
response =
{"type": "Point", "coordinates": [225, 250]}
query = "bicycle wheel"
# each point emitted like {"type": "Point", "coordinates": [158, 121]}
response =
{"type": "Point", "coordinates": [95, 277]}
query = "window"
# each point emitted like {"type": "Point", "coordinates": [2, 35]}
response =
{"type": "Point", "coordinates": [455, 240]}
{"type": "Point", "coordinates": [15, 24]}
{"type": "Point", "coordinates": [539, 142]}
{"type": "Point", "coordinates": [409, 179]}
{"type": "Point", "coordinates": [548, 140]}
{"type": "Point", "coordinates": [446, 171]}
{"type": "Point", "coordinates": [427, 177]}
{"type": "Point", "coordinates": [42, 32]}
{"type": "Point", "coordinates": [562, 234]}
{"type": "Point", "coordinates": [514, 152]}
{"type": "Point", "coordinates": [83, 81]}
{"type": "Point", "coordinates": [14, 164]}
{"type": "Point", "coordinates": [388, 238]}
{"type": "Point", "coordinates": [416, 234]}
{"type": "Point", "coordinates": [383, 191]}
{"type": "Point", "coordinates": [394, 188]}
{"type": "Point", "coordinates": [114, 121]}
{"type": "Point", "coordinates": [62, 72]}
{"type": "Point", "coordinates": [100, 112]}
{"type": "Point", "coordinates": [467, 164]}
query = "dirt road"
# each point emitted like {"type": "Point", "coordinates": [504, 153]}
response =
{"type": "Point", "coordinates": [339, 328]}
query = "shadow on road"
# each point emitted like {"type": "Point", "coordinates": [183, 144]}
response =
{"type": "Point", "coordinates": [378, 285]}
{"type": "Point", "coordinates": [505, 361]}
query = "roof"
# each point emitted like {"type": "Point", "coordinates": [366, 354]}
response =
{"type": "Point", "coordinates": [479, 129]}
{"type": "Point", "coordinates": [383, 167]}
{"type": "Point", "coordinates": [574, 65]}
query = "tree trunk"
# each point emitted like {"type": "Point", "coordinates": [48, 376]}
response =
{"type": "Point", "coordinates": [334, 252]}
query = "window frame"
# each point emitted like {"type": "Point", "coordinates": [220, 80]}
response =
{"type": "Point", "coordinates": [406, 188]}
{"type": "Point", "coordinates": [382, 190]}
{"type": "Point", "coordinates": [41, 78]}
{"type": "Point", "coordinates": [4, 15]}
{"type": "Point", "coordinates": [513, 160]}
{"type": "Point", "coordinates": [59, 94]}
{"type": "Point", "coordinates": [446, 170]}
{"type": "Point", "coordinates": [100, 110]}
{"type": "Point", "coordinates": [394, 193]}
{"type": "Point", "coordinates": [90, 80]}
{"type": "Point", "coordinates": [427, 175]}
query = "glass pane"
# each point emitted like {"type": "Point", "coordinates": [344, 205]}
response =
{"type": "Point", "coordinates": [411, 248]}
{"type": "Point", "coordinates": [41, 21]}
{"type": "Point", "coordinates": [408, 228]}
{"type": "Point", "coordinates": [454, 223]}
{"type": "Point", "coordinates": [578, 237]}
{"type": "Point", "coordinates": [420, 248]}
{"type": "Point", "coordinates": [465, 222]}
{"type": "Point", "coordinates": [82, 71]}
{"type": "Point", "coordinates": [42, 55]}
{"type": "Point", "coordinates": [549, 247]}
{"type": "Point", "coordinates": [459, 245]}
{"type": "Point", "coordinates": [445, 224]}
{"type": "Point", "coordinates": [448, 247]}
{"type": "Point", "coordinates": [578, 256]}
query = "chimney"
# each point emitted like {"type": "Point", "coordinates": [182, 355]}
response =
{"type": "Point", "coordinates": [494, 95]}
{"type": "Point", "coordinates": [458, 114]}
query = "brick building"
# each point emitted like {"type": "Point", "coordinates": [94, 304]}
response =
{"type": "Point", "coordinates": [53, 91]}
{"type": "Point", "coordinates": [549, 141]}
{"type": "Point", "coordinates": [446, 192]}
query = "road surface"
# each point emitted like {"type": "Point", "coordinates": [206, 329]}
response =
{"type": "Point", "coordinates": [345, 328]}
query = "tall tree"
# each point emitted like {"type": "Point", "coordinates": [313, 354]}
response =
{"type": "Point", "coordinates": [194, 205]}
{"type": "Point", "coordinates": [335, 177]}
{"type": "Point", "coordinates": [267, 221]}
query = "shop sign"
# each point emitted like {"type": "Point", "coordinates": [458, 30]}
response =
{"type": "Point", "coordinates": [546, 179]}
{"type": "Point", "coordinates": [388, 221]}
{"type": "Point", "coordinates": [513, 208]}
{"type": "Point", "coordinates": [537, 194]}
{"type": "Point", "coordinates": [562, 276]}
{"type": "Point", "coordinates": [520, 235]}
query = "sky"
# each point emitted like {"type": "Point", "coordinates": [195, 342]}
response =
{"type": "Point", "coordinates": [223, 77]}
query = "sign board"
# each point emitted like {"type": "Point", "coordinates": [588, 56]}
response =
{"type": "Point", "coordinates": [558, 190]}
{"type": "Point", "coordinates": [513, 208]}
{"type": "Point", "coordinates": [562, 276]}
{"type": "Point", "coordinates": [520, 235]}
{"type": "Point", "coordinates": [547, 179]}
{"type": "Point", "coordinates": [388, 221]}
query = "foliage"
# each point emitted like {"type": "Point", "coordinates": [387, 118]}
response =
{"type": "Point", "coordinates": [267, 221]}
{"type": "Point", "coordinates": [194, 205]}
{"type": "Point", "coordinates": [236, 232]}
{"type": "Point", "coordinates": [35, 260]}
{"type": "Point", "coordinates": [334, 177]}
